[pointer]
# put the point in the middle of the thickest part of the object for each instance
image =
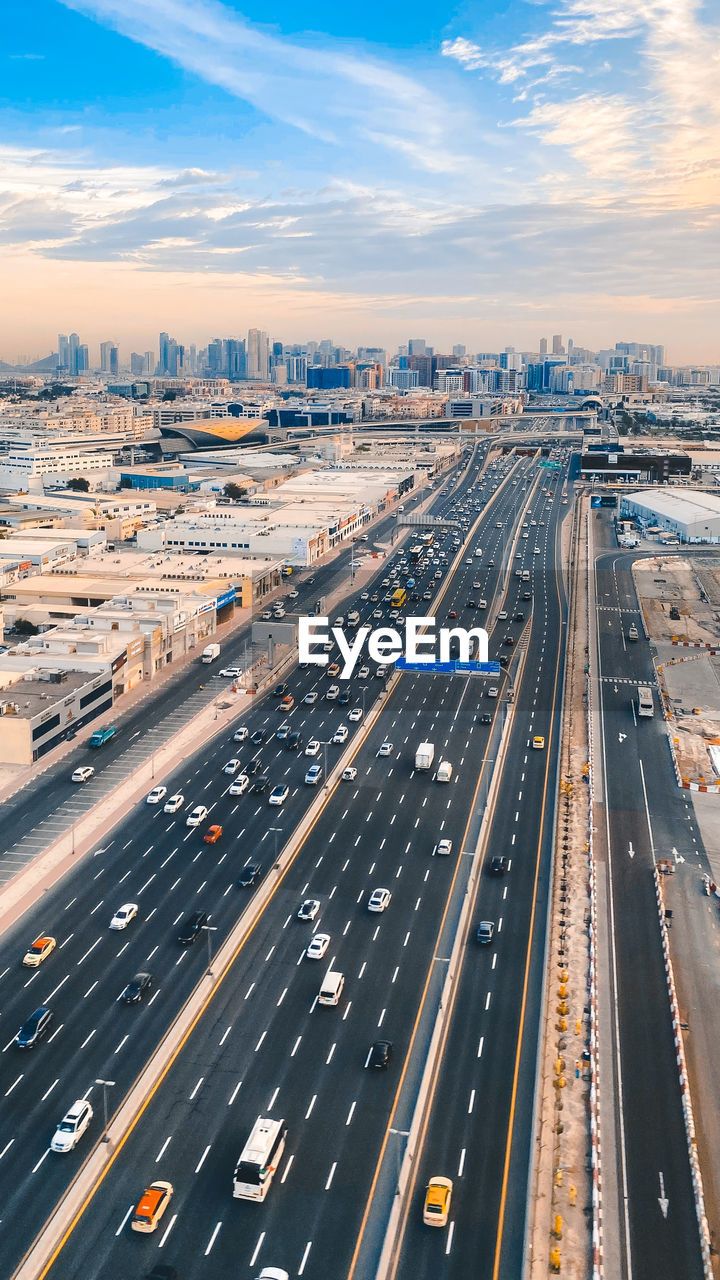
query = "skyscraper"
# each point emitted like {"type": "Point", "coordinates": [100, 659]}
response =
{"type": "Point", "coordinates": [258, 355]}
{"type": "Point", "coordinates": [557, 348]}
{"type": "Point", "coordinates": [543, 346]}
{"type": "Point", "coordinates": [459, 350]}
{"type": "Point", "coordinates": [417, 347]}
{"type": "Point", "coordinates": [63, 351]}
{"type": "Point", "coordinates": [108, 357]}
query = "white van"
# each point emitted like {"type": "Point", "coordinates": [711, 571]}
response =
{"type": "Point", "coordinates": [444, 773]}
{"type": "Point", "coordinates": [332, 987]}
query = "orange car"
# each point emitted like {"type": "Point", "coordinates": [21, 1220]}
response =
{"type": "Point", "coordinates": [151, 1206]}
{"type": "Point", "coordinates": [212, 835]}
{"type": "Point", "coordinates": [39, 951]}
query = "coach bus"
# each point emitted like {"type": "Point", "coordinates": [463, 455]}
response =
{"type": "Point", "coordinates": [259, 1159]}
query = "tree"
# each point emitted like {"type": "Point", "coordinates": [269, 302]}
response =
{"type": "Point", "coordinates": [24, 627]}
{"type": "Point", "coordinates": [79, 485]}
{"type": "Point", "coordinates": [234, 491]}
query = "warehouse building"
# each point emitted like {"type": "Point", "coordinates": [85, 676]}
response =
{"type": "Point", "coordinates": [692, 517]}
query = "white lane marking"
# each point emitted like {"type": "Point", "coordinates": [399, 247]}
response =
{"type": "Point", "coordinates": [295, 1047]}
{"type": "Point", "coordinates": [286, 1170]}
{"type": "Point", "coordinates": [43, 1157]}
{"type": "Point", "coordinates": [163, 1149]}
{"type": "Point", "coordinates": [167, 1231]}
{"type": "Point", "coordinates": [6, 1148]}
{"type": "Point", "coordinates": [213, 1238]}
{"type": "Point", "coordinates": [257, 1249]}
{"type": "Point", "coordinates": [461, 1164]}
{"type": "Point", "coordinates": [234, 1093]}
{"type": "Point", "coordinates": [122, 1042]}
{"type": "Point", "coordinates": [313, 1100]}
{"type": "Point", "coordinates": [350, 1114]}
{"type": "Point", "coordinates": [480, 1046]}
{"type": "Point", "coordinates": [331, 1175]}
{"type": "Point", "coordinates": [308, 1247]}
{"type": "Point", "coordinates": [202, 1159]}
{"type": "Point", "coordinates": [48, 1092]}
{"type": "Point", "coordinates": [197, 1086]}
{"type": "Point", "coordinates": [122, 1224]}
{"type": "Point", "coordinates": [471, 1103]}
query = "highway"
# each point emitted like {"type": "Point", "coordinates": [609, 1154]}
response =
{"type": "Point", "coordinates": [646, 819]}
{"type": "Point", "coordinates": [480, 1128]}
{"type": "Point", "coordinates": [155, 860]}
{"type": "Point", "coordinates": [263, 1045]}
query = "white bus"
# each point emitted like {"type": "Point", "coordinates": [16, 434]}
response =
{"type": "Point", "coordinates": [645, 702]}
{"type": "Point", "coordinates": [259, 1159]}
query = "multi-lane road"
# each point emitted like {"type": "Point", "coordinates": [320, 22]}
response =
{"type": "Point", "coordinates": [646, 818]}
{"type": "Point", "coordinates": [263, 1045]}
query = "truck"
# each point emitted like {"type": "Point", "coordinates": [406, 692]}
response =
{"type": "Point", "coordinates": [101, 736]}
{"type": "Point", "coordinates": [210, 653]}
{"type": "Point", "coordinates": [424, 755]}
{"type": "Point", "coordinates": [353, 618]}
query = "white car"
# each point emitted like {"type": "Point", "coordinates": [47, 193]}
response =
{"type": "Point", "coordinates": [363, 673]}
{"type": "Point", "coordinates": [232, 766]}
{"type": "Point", "coordinates": [279, 794]}
{"type": "Point", "coordinates": [536, 552]}
{"type": "Point", "coordinates": [349, 774]}
{"type": "Point", "coordinates": [278, 613]}
{"type": "Point", "coordinates": [379, 900]}
{"type": "Point", "coordinates": [442, 848]}
{"type": "Point", "coordinates": [333, 692]}
{"type": "Point", "coordinates": [319, 945]}
{"type": "Point", "coordinates": [72, 1126]}
{"type": "Point", "coordinates": [477, 586]}
{"type": "Point", "coordinates": [293, 595]}
{"type": "Point", "coordinates": [492, 691]}
{"type": "Point", "coordinates": [502, 616]}
{"type": "Point", "coordinates": [241, 734]}
{"type": "Point", "coordinates": [174, 803]}
{"type": "Point", "coordinates": [312, 748]}
{"type": "Point", "coordinates": [196, 816]}
{"type": "Point", "coordinates": [156, 795]}
{"type": "Point", "coordinates": [124, 915]}
{"type": "Point", "coordinates": [311, 698]}
{"type": "Point", "coordinates": [83, 774]}
{"type": "Point", "coordinates": [365, 595]}
{"type": "Point", "coordinates": [385, 749]}
{"type": "Point", "coordinates": [341, 734]}
{"type": "Point", "coordinates": [231, 673]}
{"type": "Point", "coordinates": [313, 775]}
{"type": "Point", "coordinates": [266, 615]}
{"type": "Point", "coordinates": [308, 909]}
{"type": "Point", "coordinates": [377, 613]}
{"type": "Point", "coordinates": [239, 785]}
{"type": "Point", "coordinates": [355, 716]}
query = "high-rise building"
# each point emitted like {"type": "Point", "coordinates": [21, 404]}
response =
{"type": "Point", "coordinates": [296, 368]}
{"type": "Point", "coordinates": [137, 364]}
{"type": "Point", "coordinates": [171, 358]}
{"type": "Point", "coordinates": [82, 359]}
{"type": "Point", "coordinates": [557, 347]}
{"type": "Point", "coordinates": [235, 358]}
{"type": "Point", "coordinates": [258, 355]}
{"type": "Point", "coordinates": [459, 350]}
{"type": "Point", "coordinates": [149, 362]}
{"type": "Point", "coordinates": [63, 351]}
{"type": "Point", "coordinates": [329, 379]}
{"type": "Point", "coordinates": [543, 347]}
{"type": "Point", "coordinates": [108, 357]}
{"type": "Point", "coordinates": [417, 347]}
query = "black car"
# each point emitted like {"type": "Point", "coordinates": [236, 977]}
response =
{"type": "Point", "coordinates": [471, 604]}
{"type": "Point", "coordinates": [280, 690]}
{"type": "Point", "coordinates": [260, 784]}
{"type": "Point", "coordinates": [415, 595]}
{"type": "Point", "coordinates": [252, 767]}
{"type": "Point", "coordinates": [309, 581]}
{"type": "Point", "coordinates": [519, 617]}
{"type": "Point", "coordinates": [380, 1054]}
{"type": "Point", "coordinates": [136, 989]}
{"type": "Point", "coordinates": [191, 927]}
{"type": "Point", "coordinates": [34, 1029]}
{"type": "Point", "coordinates": [249, 875]}
{"type": "Point", "coordinates": [294, 741]}
{"type": "Point", "coordinates": [257, 737]}
{"type": "Point", "coordinates": [486, 718]}
{"type": "Point", "coordinates": [498, 866]}
{"type": "Point", "coordinates": [504, 660]}
{"type": "Point", "coordinates": [345, 698]}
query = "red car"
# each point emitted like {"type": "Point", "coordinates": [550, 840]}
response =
{"type": "Point", "coordinates": [212, 835]}
{"type": "Point", "coordinates": [452, 613]}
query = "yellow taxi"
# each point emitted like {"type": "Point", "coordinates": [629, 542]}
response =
{"type": "Point", "coordinates": [151, 1206]}
{"type": "Point", "coordinates": [538, 743]}
{"type": "Point", "coordinates": [438, 1195]}
{"type": "Point", "coordinates": [39, 951]}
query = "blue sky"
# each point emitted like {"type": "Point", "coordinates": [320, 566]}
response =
{"type": "Point", "coordinates": [486, 173]}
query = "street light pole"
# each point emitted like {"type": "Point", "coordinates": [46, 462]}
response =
{"type": "Point", "coordinates": [277, 831]}
{"type": "Point", "coordinates": [209, 929]}
{"type": "Point", "coordinates": [106, 1084]}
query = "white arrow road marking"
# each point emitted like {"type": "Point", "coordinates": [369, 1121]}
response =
{"type": "Point", "coordinates": [662, 1198]}
{"type": "Point", "coordinates": [631, 851]}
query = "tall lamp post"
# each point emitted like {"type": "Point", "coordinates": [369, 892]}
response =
{"type": "Point", "coordinates": [276, 831]}
{"type": "Point", "coordinates": [209, 930]}
{"type": "Point", "coordinates": [106, 1084]}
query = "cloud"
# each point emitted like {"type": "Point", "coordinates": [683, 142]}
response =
{"type": "Point", "coordinates": [321, 88]}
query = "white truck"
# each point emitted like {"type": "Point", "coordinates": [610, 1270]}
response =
{"type": "Point", "coordinates": [210, 653]}
{"type": "Point", "coordinates": [424, 756]}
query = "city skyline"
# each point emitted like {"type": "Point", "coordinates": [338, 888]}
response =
{"type": "Point", "coordinates": [484, 173]}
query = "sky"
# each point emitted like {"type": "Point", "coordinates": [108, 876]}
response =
{"type": "Point", "coordinates": [489, 173]}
